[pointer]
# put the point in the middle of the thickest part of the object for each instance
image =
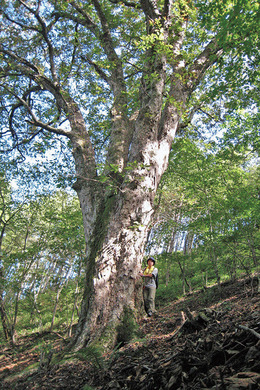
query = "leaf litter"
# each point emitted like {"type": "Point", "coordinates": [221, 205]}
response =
{"type": "Point", "coordinates": [206, 340]}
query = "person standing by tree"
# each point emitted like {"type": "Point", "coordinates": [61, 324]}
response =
{"type": "Point", "coordinates": [149, 274]}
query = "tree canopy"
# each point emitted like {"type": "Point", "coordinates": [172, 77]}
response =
{"type": "Point", "coordinates": [96, 53]}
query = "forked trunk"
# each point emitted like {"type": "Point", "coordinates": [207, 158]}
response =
{"type": "Point", "coordinates": [116, 251]}
{"type": "Point", "coordinates": [115, 247]}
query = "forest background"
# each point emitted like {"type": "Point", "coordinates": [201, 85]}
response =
{"type": "Point", "coordinates": [204, 227]}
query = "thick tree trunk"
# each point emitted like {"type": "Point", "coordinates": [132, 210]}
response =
{"type": "Point", "coordinates": [112, 278]}
{"type": "Point", "coordinates": [116, 249]}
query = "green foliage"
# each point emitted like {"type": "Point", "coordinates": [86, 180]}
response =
{"type": "Point", "coordinates": [214, 180]}
{"type": "Point", "coordinates": [94, 355]}
{"type": "Point", "coordinates": [42, 254]}
{"type": "Point", "coordinates": [210, 194]}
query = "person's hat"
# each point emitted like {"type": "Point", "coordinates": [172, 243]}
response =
{"type": "Point", "coordinates": [151, 258]}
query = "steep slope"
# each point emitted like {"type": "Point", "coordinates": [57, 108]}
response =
{"type": "Point", "coordinates": [208, 340]}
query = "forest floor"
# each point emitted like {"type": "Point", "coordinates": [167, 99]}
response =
{"type": "Point", "coordinates": [207, 340]}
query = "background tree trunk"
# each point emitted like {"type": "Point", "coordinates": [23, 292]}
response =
{"type": "Point", "coordinates": [4, 319]}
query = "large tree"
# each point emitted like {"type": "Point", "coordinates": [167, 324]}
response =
{"type": "Point", "coordinates": [118, 79]}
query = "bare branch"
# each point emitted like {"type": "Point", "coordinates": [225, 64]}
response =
{"type": "Point", "coordinates": [73, 55]}
{"type": "Point", "coordinates": [23, 26]}
{"type": "Point", "coordinates": [97, 68]}
{"type": "Point", "coordinates": [126, 3]}
{"type": "Point", "coordinates": [35, 121]}
{"type": "Point", "coordinates": [257, 335]}
{"type": "Point", "coordinates": [17, 59]}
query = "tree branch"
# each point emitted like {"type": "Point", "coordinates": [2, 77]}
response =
{"type": "Point", "coordinates": [35, 121]}
{"type": "Point", "coordinates": [105, 37]}
{"type": "Point", "coordinates": [85, 21]}
{"type": "Point", "coordinates": [23, 26]}
{"type": "Point", "coordinates": [101, 73]}
{"type": "Point", "coordinates": [18, 59]}
{"type": "Point", "coordinates": [257, 335]}
{"type": "Point", "coordinates": [126, 3]}
{"type": "Point", "coordinates": [207, 57]}
{"type": "Point", "coordinates": [44, 32]}
{"type": "Point", "coordinates": [150, 9]}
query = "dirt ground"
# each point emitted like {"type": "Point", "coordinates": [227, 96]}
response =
{"type": "Point", "coordinates": [207, 340]}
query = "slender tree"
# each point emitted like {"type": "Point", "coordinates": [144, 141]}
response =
{"type": "Point", "coordinates": [117, 79]}
{"type": "Point", "coordinates": [6, 216]}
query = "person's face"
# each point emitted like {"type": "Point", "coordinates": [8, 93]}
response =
{"type": "Point", "coordinates": [150, 263]}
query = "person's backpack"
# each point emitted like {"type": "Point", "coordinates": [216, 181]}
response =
{"type": "Point", "coordinates": [156, 280]}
